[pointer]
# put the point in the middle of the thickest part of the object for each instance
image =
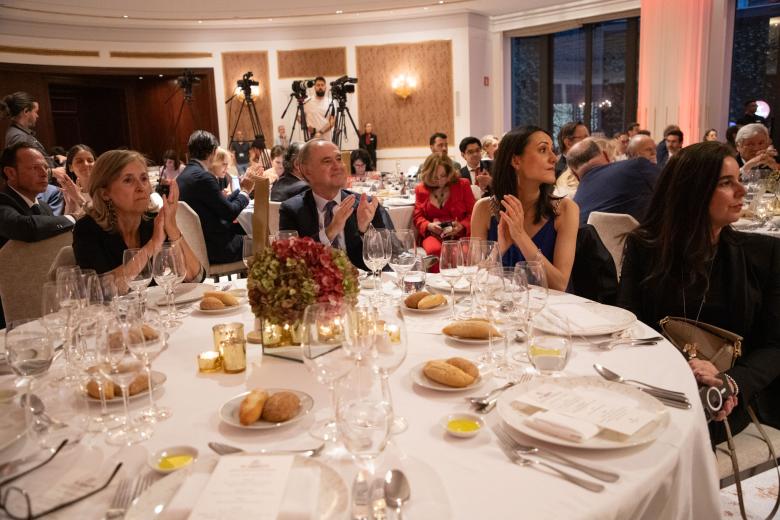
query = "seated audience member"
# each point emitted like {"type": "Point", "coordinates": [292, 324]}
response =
{"type": "Point", "coordinates": [571, 133]}
{"type": "Point", "coordinates": [750, 116]}
{"type": "Point", "coordinates": [621, 187]}
{"type": "Point", "coordinates": [327, 212]}
{"type": "Point", "coordinates": [476, 171]}
{"type": "Point", "coordinates": [438, 144]}
{"type": "Point", "coordinates": [674, 143]}
{"type": "Point", "coordinates": [281, 138]}
{"type": "Point", "coordinates": [171, 166]}
{"type": "Point", "coordinates": [710, 135]}
{"type": "Point", "coordinates": [368, 143]}
{"type": "Point", "coordinates": [731, 136]}
{"type": "Point", "coordinates": [240, 150]}
{"type": "Point", "coordinates": [443, 204]}
{"type": "Point", "coordinates": [22, 215]}
{"type": "Point", "coordinates": [642, 145]}
{"type": "Point", "coordinates": [621, 142]}
{"type": "Point", "coordinates": [256, 167]}
{"type": "Point", "coordinates": [277, 165]}
{"type": "Point", "coordinates": [522, 215]}
{"type": "Point", "coordinates": [219, 166]}
{"type": "Point", "coordinates": [644, 132]}
{"type": "Point", "coordinates": [686, 260]}
{"type": "Point", "coordinates": [117, 219]}
{"type": "Point", "coordinates": [632, 130]}
{"type": "Point", "coordinates": [291, 183]}
{"type": "Point", "coordinates": [200, 189]}
{"type": "Point", "coordinates": [755, 149]}
{"type": "Point", "coordinates": [661, 151]}
{"type": "Point", "coordinates": [489, 146]}
{"type": "Point", "coordinates": [79, 162]}
{"type": "Point", "coordinates": [582, 157]}
{"type": "Point", "coordinates": [360, 163]}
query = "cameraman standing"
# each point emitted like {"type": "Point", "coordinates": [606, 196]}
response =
{"type": "Point", "coordinates": [316, 107]}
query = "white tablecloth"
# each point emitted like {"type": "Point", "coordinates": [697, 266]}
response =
{"type": "Point", "coordinates": [672, 478]}
{"type": "Point", "coordinates": [400, 215]}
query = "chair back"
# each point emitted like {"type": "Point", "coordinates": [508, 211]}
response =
{"type": "Point", "coordinates": [64, 257]}
{"type": "Point", "coordinates": [260, 224]}
{"type": "Point", "coordinates": [25, 268]}
{"type": "Point", "coordinates": [189, 225]}
{"type": "Point", "coordinates": [611, 228]}
{"type": "Point", "coordinates": [273, 217]}
{"type": "Point", "coordinates": [593, 273]}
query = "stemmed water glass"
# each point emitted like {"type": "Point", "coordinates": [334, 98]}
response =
{"type": "Point", "coordinates": [489, 281]}
{"type": "Point", "coordinates": [376, 254]}
{"type": "Point", "coordinates": [450, 264]}
{"type": "Point", "coordinates": [167, 267]}
{"type": "Point", "coordinates": [414, 279]}
{"type": "Point", "coordinates": [360, 323]}
{"type": "Point", "coordinates": [389, 350]}
{"type": "Point", "coordinates": [472, 255]}
{"type": "Point", "coordinates": [511, 300]}
{"type": "Point", "coordinates": [403, 253]}
{"type": "Point", "coordinates": [70, 297]}
{"type": "Point", "coordinates": [122, 368]}
{"type": "Point", "coordinates": [29, 349]}
{"type": "Point", "coordinates": [322, 338]}
{"type": "Point", "coordinates": [536, 283]}
{"type": "Point", "coordinates": [145, 340]}
{"type": "Point", "coordinates": [141, 266]}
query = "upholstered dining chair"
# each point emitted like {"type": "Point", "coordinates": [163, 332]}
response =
{"type": "Point", "coordinates": [189, 224]}
{"type": "Point", "coordinates": [25, 268]}
{"type": "Point", "coordinates": [64, 257]}
{"type": "Point", "coordinates": [611, 228]}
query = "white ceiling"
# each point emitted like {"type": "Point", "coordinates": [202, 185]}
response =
{"type": "Point", "coordinates": [244, 13]}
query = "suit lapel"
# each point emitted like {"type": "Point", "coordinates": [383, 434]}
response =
{"type": "Point", "coordinates": [311, 223]}
{"type": "Point", "coordinates": [21, 205]}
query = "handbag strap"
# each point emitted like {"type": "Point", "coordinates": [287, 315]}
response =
{"type": "Point", "coordinates": [735, 464]}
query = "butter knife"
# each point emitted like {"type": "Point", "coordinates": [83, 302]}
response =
{"type": "Point", "coordinates": [668, 400]}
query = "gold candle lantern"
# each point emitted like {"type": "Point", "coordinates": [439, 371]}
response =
{"type": "Point", "coordinates": [230, 341]}
{"type": "Point", "coordinates": [209, 361]}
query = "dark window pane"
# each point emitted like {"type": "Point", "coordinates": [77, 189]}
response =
{"type": "Point", "coordinates": [609, 77]}
{"type": "Point", "coordinates": [568, 78]}
{"type": "Point", "coordinates": [526, 80]}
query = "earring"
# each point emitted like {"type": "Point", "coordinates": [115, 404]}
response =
{"type": "Point", "coordinates": [111, 214]}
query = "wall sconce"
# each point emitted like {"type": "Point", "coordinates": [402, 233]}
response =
{"type": "Point", "coordinates": [404, 85]}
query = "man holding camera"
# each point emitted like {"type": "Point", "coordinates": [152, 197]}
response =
{"type": "Point", "coordinates": [316, 109]}
{"type": "Point", "coordinates": [476, 171]}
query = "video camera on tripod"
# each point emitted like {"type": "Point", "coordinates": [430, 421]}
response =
{"type": "Point", "coordinates": [186, 81]}
{"type": "Point", "coordinates": [341, 87]}
{"type": "Point", "coordinates": [300, 86]}
{"type": "Point", "coordinates": [246, 83]}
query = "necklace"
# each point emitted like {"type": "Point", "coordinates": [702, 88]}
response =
{"type": "Point", "coordinates": [440, 195]}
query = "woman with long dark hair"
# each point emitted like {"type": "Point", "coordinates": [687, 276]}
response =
{"type": "Point", "coordinates": [523, 215]}
{"type": "Point", "coordinates": [686, 260]}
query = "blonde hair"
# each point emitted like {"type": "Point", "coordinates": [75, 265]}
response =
{"type": "Point", "coordinates": [106, 170]}
{"type": "Point", "coordinates": [220, 156]}
{"type": "Point", "coordinates": [488, 140]}
{"type": "Point", "coordinates": [431, 164]}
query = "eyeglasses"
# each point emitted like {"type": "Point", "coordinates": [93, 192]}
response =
{"type": "Point", "coordinates": [16, 502]}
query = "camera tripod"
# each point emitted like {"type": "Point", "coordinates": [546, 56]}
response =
{"type": "Point", "coordinates": [340, 122]}
{"type": "Point", "coordinates": [254, 119]}
{"type": "Point", "coordinates": [300, 115]}
{"type": "Point", "coordinates": [186, 81]}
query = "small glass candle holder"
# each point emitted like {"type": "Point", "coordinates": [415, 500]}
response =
{"type": "Point", "coordinates": [230, 341]}
{"type": "Point", "coordinates": [209, 361]}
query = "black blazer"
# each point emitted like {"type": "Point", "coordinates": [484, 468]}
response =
{"type": "Point", "coordinates": [370, 147]}
{"type": "Point", "coordinates": [200, 189]}
{"type": "Point", "coordinates": [300, 213]}
{"type": "Point", "coordinates": [286, 187]}
{"type": "Point", "coordinates": [744, 297]}
{"type": "Point", "coordinates": [17, 221]}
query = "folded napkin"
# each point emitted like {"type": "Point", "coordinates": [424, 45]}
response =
{"type": "Point", "coordinates": [579, 316]}
{"type": "Point", "coordinates": [562, 426]}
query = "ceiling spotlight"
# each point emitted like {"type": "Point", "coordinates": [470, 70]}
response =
{"type": "Point", "coordinates": [140, 77]}
{"type": "Point", "coordinates": [339, 11]}
{"type": "Point", "coordinates": [125, 16]}
{"type": "Point", "coordinates": [160, 75]}
{"type": "Point", "coordinates": [200, 21]}
{"type": "Point", "coordinates": [441, 2]}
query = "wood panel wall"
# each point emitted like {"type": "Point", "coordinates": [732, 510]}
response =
{"type": "Point", "coordinates": [310, 63]}
{"type": "Point", "coordinates": [234, 66]}
{"type": "Point", "coordinates": [401, 123]}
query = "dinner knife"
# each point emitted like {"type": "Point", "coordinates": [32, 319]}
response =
{"type": "Point", "coordinates": [668, 400]}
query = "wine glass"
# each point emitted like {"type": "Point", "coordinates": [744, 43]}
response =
{"type": "Point", "coordinates": [376, 242]}
{"type": "Point", "coordinates": [489, 281]}
{"type": "Point", "coordinates": [414, 279]}
{"type": "Point", "coordinates": [248, 248]}
{"type": "Point", "coordinates": [166, 268]}
{"type": "Point", "coordinates": [145, 340]}
{"type": "Point", "coordinates": [389, 350]}
{"type": "Point", "coordinates": [29, 349]}
{"type": "Point", "coordinates": [536, 278]}
{"type": "Point", "coordinates": [181, 274]}
{"type": "Point", "coordinates": [472, 255]}
{"type": "Point", "coordinates": [511, 300]}
{"type": "Point", "coordinates": [322, 338]}
{"type": "Point", "coordinates": [109, 289]}
{"type": "Point", "coordinates": [286, 234]}
{"type": "Point", "coordinates": [360, 323]}
{"type": "Point", "coordinates": [450, 262]}
{"type": "Point", "coordinates": [70, 291]}
{"type": "Point", "coordinates": [119, 366]}
{"type": "Point", "coordinates": [403, 253]}
{"type": "Point", "coordinates": [363, 414]}
{"type": "Point", "coordinates": [138, 270]}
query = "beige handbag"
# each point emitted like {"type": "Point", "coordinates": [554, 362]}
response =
{"type": "Point", "coordinates": [721, 348]}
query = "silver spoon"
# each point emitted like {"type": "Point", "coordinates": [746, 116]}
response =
{"type": "Point", "coordinates": [39, 409]}
{"type": "Point", "coordinates": [609, 375]}
{"type": "Point", "coordinates": [397, 490]}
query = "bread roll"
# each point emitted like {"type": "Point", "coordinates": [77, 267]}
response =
{"type": "Point", "coordinates": [281, 407]}
{"type": "Point", "coordinates": [431, 301]}
{"type": "Point", "coordinates": [226, 298]}
{"type": "Point", "coordinates": [465, 365]}
{"type": "Point", "coordinates": [413, 299]}
{"type": "Point", "coordinates": [94, 391]}
{"type": "Point", "coordinates": [210, 303]}
{"type": "Point", "coordinates": [446, 374]}
{"type": "Point", "coordinates": [139, 384]}
{"type": "Point", "coordinates": [252, 406]}
{"type": "Point", "coordinates": [471, 329]}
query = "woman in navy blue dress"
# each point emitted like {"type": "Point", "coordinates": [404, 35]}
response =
{"type": "Point", "coordinates": [522, 215]}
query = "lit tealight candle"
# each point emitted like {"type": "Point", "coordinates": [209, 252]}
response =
{"type": "Point", "coordinates": [209, 361]}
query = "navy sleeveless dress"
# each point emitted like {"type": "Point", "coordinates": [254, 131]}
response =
{"type": "Point", "coordinates": [544, 240]}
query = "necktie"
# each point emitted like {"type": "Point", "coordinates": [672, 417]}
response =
{"type": "Point", "coordinates": [329, 218]}
{"type": "Point", "coordinates": [35, 209]}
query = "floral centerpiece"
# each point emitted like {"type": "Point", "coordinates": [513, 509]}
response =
{"type": "Point", "coordinates": [291, 274]}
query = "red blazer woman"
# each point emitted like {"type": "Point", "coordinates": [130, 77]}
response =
{"type": "Point", "coordinates": [457, 207]}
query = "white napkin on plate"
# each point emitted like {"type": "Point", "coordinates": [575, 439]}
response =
{"type": "Point", "coordinates": [301, 496]}
{"type": "Point", "coordinates": [562, 426]}
{"type": "Point", "coordinates": [580, 316]}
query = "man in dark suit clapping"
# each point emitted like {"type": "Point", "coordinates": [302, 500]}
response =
{"type": "Point", "coordinates": [328, 213]}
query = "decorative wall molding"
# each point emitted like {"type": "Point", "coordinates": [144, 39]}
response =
{"type": "Point", "coordinates": [554, 18]}
{"type": "Point", "coordinates": [309, 63]}
{"type": "Point", "coordinates": [48, 52]}
{"type": "Point", "coordinates": [159, 55]}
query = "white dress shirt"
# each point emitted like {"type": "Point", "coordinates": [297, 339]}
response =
{"type": "Point", "coordinates": [338, 240]}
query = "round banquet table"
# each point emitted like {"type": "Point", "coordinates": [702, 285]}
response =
{"type": "Point", "coordinates": [674, 477]}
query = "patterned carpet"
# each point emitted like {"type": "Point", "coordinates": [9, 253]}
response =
{"type": "Point", "coordinates": [760, 494]}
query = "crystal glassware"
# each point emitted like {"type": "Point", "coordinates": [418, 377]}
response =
{"type": "Point", "coordinates": [138, 270]}
{"type": "Point", "coordinates": [450, 264]}
{"type": "Point", "coordinates": [376, 254]}
{"type": "Point", "coordinates": [510, 301]}
{"type": "Point", "coordinates": [403, 253]}
{"type": "Point", "coordinates": [166, 269]}
{"type": "Point", "coordinates": [389, 350]}
{"type": "Point", "coordinates": [145, 341]}
{"type": "Point", "coordinates": [471, 257]}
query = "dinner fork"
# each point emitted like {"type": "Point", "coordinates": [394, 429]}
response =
{"type": "Point", "coordinates": [606, 476]}
{"type": "Point", "coordinates": [516, 458]}
{"type": "Point", "coordinates": [120, 501]}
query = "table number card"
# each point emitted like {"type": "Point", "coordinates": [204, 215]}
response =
{"type": "Point", "coordinates": [245, 486]}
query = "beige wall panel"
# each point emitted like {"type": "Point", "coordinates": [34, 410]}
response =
{"type": "Point", "coordinates": [401, 123]}
{"type": "Point", "coordinates": [234, 66]}
{"type": "Point", "coordinates": [310, 63]}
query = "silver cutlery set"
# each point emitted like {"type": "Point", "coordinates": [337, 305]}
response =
{"type": "Point", "coordinates": [126, 492]}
